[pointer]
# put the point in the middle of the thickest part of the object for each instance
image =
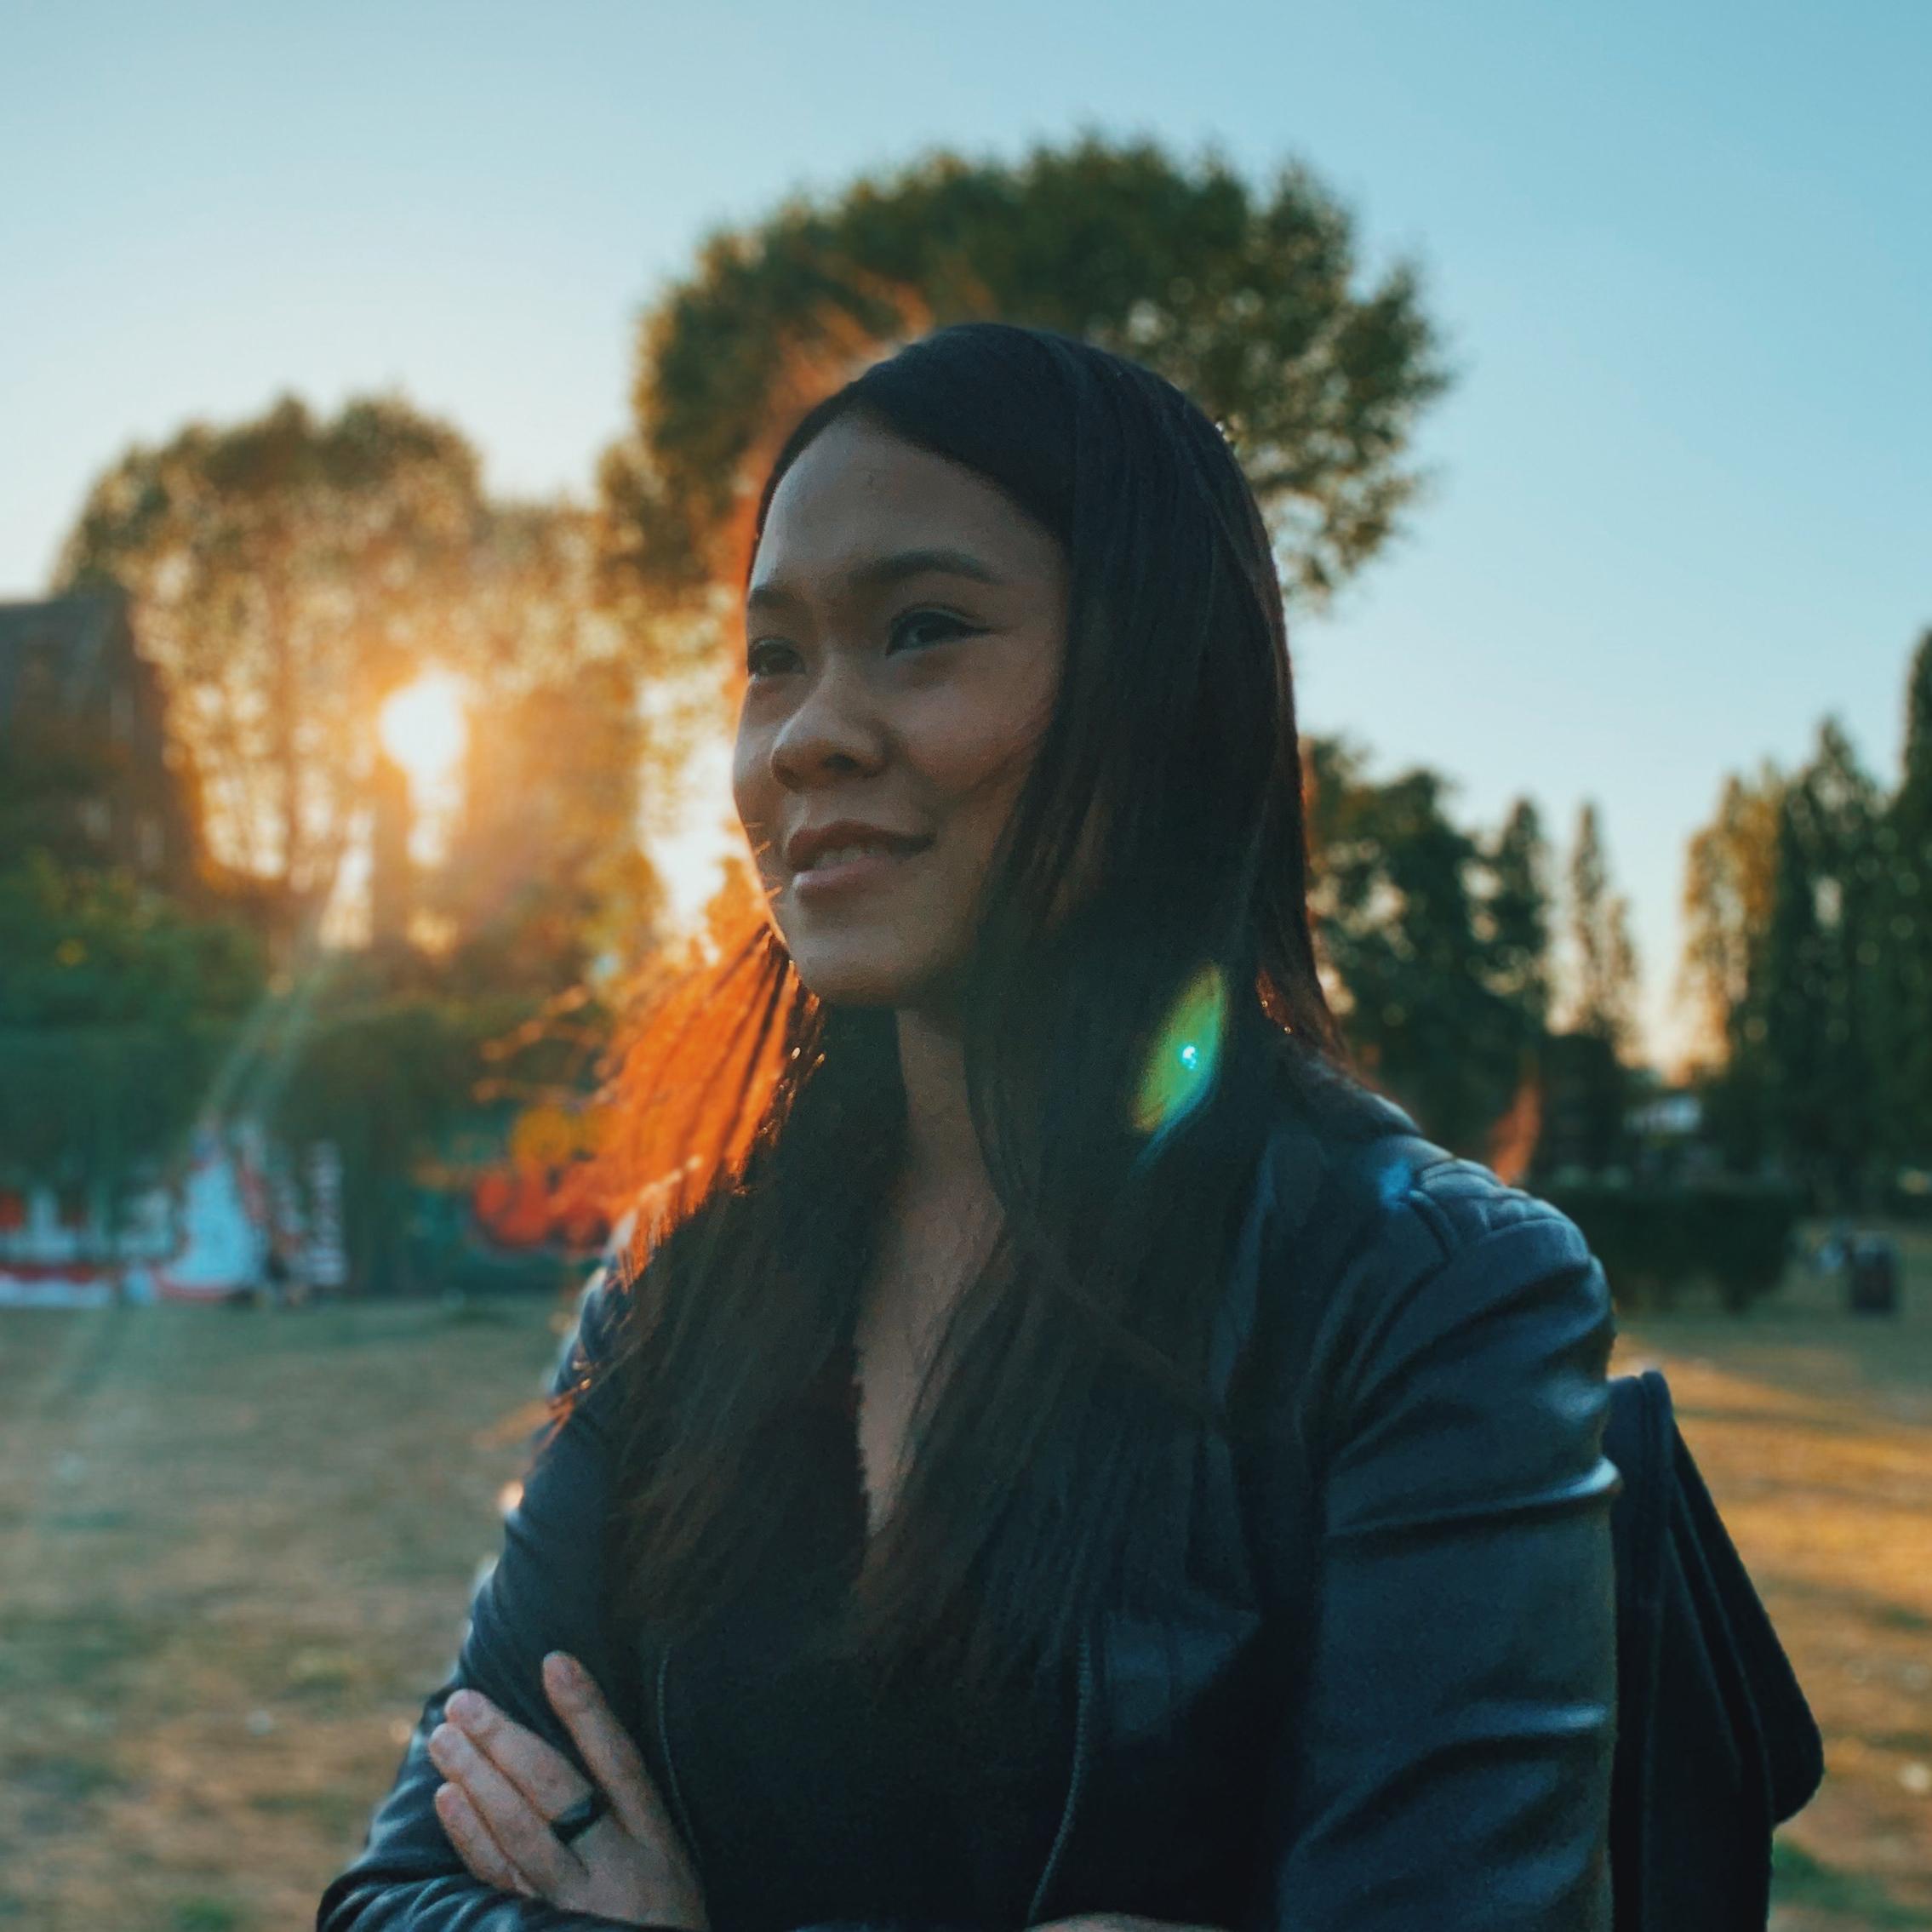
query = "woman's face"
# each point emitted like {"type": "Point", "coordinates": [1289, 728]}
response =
{"type": "Point", "coordinates": [906, 629]}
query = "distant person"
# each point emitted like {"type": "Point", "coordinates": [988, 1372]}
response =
{"type": "Point", "coordinates": [1075, 1448]}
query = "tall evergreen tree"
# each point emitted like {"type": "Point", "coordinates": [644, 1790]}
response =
{"type": "Point", "coordinates": [1730, 885]}
{"type": "Point", "coordinates": [1604, 955]}
{"type": "Point", "coordinates": [1902, 942]}
{"type": "Point", "coordinates": [1515, 919]}
{"type": "Point", "coordinates": [1729, 874]}
{"type": "Point", "coordinates": [1787, 1005]}
{"type": "Point", "coordinates": [1820, 1002]}
{"type": "Point", "coordinates": [1432, 948]}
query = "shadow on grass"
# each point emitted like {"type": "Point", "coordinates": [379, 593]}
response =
{"type": "Point", "coordinates": [1799, 1879]}
{"type": "Point", "coordinates": [206, 1915]}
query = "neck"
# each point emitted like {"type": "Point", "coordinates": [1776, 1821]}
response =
{"type": "Point", "coordinates": [942, 1152]}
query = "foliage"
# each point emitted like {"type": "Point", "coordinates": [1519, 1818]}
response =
{"type": "Point", "coordinates": [385, 1060]}
{"type": "Point", "coordinates": [1813, 994]}
{"type": "Point", "coordinates": [1599, 936]}
{"type": "Point", "coordinates": [1654, 1241]}
{"type": "Point", "coordinates": [290, 571]}
{"type": "Point", "coordinates": [50, 769]}
{"type": "Point", "coordinates": [1811, 947]}
{"type": "Point", "coordinates": [377, 1077]}
{"type": "Point", "coordinates": [1246, 299]}
{"type": "Point", "coordinates": [1437, 941]}
{"type": "Point", "coordinates": [545, 880]}
{"type": "Point", "coordinates": [1587, 1093]}
{"type": "Point", "coordinates": [284, 571]}
{"type": "Point", "coordinates": [82, 947]}
{"type": "Point", "coordinates": [115, 1006]}
{"type": "Point", "coordinates": [1729, 882]}
{"type": "Point", "coordinates": [1901, 936]}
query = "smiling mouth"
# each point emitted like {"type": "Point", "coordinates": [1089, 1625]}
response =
{"type": "Point", "coordinates": [856, 868]}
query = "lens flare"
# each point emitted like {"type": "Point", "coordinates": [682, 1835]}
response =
{"type": "Point", "coordinates": [1187, 1053]}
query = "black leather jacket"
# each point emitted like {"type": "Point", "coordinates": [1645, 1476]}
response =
{"type": "Point", "coordinates": [1390, 1702]}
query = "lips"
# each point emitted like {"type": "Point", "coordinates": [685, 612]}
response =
{"type": "Point", "coordinates": [833, 877]}
{"type": "Point", "coordinates": [806, 849]}
{"type": "Point", "coordinates": [847, 850]}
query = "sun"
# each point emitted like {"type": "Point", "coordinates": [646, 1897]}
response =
{"type": "Point", "coordinates": [423, 728]}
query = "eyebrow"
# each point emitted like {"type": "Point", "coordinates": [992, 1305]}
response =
{"type": "Point", "coordinates": [880, 571]}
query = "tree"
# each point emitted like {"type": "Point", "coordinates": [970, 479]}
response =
{"type": "Point", "coordinates": [285, 571]}
{"type": "Point", "coordinates": [545, 878]}
{"type": "Point", "coordinates": [1810, 952]}
{"type": "Point", "coordinates": [1599, 931]}
{"type": "Point", "coordinates": [1730, 874]}
{"type": "Point", "coordinates": [1810, 1020]}
{"type": "Point", "coordinates": [1901, 941]}
{"type": "Point", "coordinates": [1514, 920]}
{"type": "Point", "coordinates": [115, 1008]}
{"type": "Point", "coordinates": [1430, 938]}
{"type": "Point", "coordinates": [1245, 299]}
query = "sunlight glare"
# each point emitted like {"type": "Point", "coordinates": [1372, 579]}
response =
{"type": "Point", "coordinates": [422, 727]}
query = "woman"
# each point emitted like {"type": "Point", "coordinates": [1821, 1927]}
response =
{"type": "Point", "coordinates": [1070, 1449]}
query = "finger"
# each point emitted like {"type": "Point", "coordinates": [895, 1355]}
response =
{"type": "Point", "coordinates": [521, 1831]}
{"type": "Point", "coordinates": [609, 1754]}
{"type": "Point", "coordinates": [544, 1775]}
{"type": "Point", "coordinates": [474, 1846]}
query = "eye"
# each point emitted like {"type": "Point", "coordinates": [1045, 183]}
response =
{"type": "Point", "coordinates": [924, 627]}
{"type": "Point", "coordinates": [946, 625]}
{"type": "Point", "coordinates": [757, 652]}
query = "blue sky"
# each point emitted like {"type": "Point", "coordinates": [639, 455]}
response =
{"type": "Point", "coordinates": [1682, 255]}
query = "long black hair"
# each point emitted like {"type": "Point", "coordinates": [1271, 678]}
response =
{"type": "Point", "coordinates": [1076, 1358]}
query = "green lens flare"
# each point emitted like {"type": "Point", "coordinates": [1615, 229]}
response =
{"type": "Point", "coordinates": [1180, 1070]}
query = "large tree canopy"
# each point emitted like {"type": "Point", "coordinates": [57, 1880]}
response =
{"type": "Point", "coordinates": [1246, 299]}
{"type": "Point", "coordinates": [283, 571]}
{"type": "Point", "coordinates": [288, 571]}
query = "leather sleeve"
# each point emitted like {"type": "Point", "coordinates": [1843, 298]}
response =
{"type": "Point", "coordinates": [544, 1593]}
{"type": "Point", "coordinates": [1444, 1758]}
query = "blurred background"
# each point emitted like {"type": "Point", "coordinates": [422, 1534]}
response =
{"type": "Point", "coordinates": [380, 388]}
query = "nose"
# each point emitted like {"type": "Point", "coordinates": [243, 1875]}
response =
{"type": "Point", "coordinates": [835, 729]}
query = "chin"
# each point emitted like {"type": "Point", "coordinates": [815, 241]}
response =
{"type": "Point", "coordinates": [868, 980]}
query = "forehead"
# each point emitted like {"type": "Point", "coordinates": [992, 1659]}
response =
{"type": "Point", "coordinates": [859, 492]}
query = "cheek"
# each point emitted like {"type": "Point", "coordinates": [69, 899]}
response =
{"type": "Point", "coordinates": [752, 794]}
{"type": "Point", "coordinates": [976, 758]}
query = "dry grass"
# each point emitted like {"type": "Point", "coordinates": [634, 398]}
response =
{"type": "Point", "coordinates": [1814, 1430]}
{"type": "Point", "coordinates": [235, 1552]}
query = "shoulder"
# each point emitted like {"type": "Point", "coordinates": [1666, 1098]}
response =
{"type": "Point", "coordinates": [584, 1366]}
{"type": "Point", "coordinates": [1345, 1169]}
{"type": "Point", "coordinates": [1376, 1247]}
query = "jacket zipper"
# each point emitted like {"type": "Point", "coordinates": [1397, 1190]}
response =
{"type": "Point", "coordinates": [1076, 1778]}
{"type": "Point", "coordinates": [671, 1770]}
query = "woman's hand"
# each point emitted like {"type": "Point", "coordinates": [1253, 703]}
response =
{"type": "Point", "coordinates": [505, 1785]}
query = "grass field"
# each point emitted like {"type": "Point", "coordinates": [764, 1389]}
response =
{"type": "Point", "coordinates": [236, 1550]}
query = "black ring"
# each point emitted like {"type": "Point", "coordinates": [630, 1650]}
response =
{"type": "Point", "coordinates": [569, 1825]}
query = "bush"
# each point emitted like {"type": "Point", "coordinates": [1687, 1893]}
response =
{"type": "Point", "coordinates": [1653, 1240]}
